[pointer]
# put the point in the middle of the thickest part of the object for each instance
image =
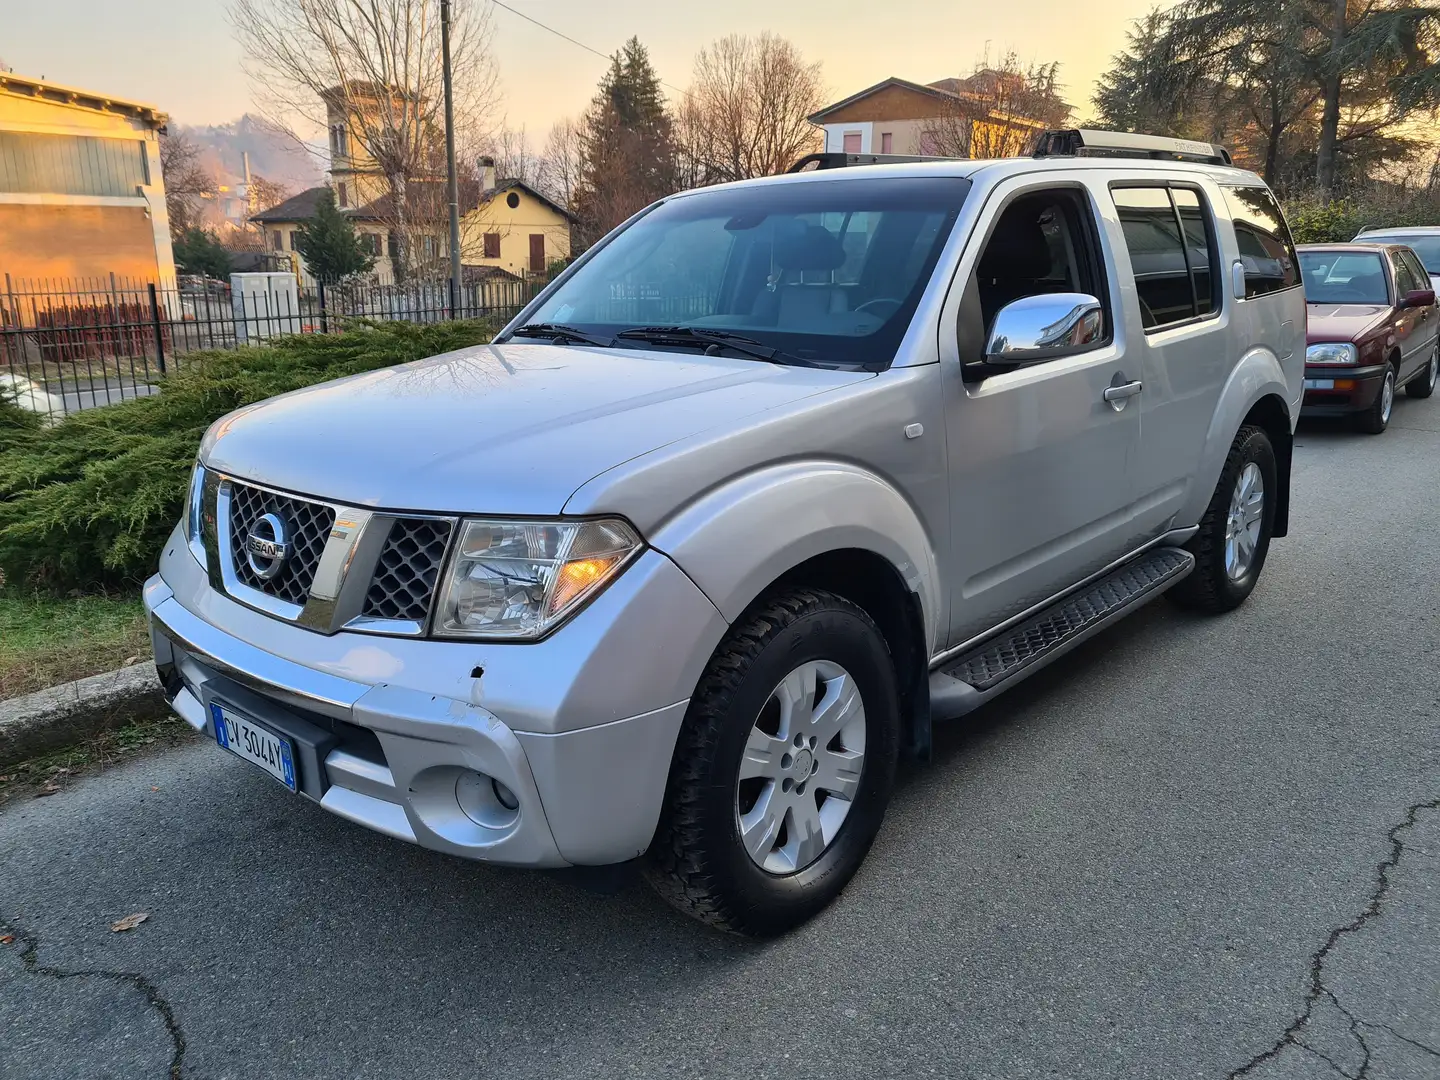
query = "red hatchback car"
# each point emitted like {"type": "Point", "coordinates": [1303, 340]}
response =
{"type": "Point", "coordinates": [1373, 328]}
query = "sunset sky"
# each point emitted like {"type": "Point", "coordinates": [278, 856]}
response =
{"type": "Point", "coordinates": [180, 55]}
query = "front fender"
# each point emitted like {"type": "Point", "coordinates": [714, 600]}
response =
{"type": "Point", "coordinates": [736, 539]}
{"type": "Point", "coordinates": [1258, 375]}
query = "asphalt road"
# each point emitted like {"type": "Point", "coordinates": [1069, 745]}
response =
{"type": "Point", "coordinates": [1196, 848]}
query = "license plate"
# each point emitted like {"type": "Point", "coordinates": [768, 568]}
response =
{"type": "Point", "coordinates": [249, 740]}
{"type": "Point", "coordinates": [1319, 384]}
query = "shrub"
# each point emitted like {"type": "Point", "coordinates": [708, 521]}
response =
{"type": "Point", "coordinates": [89, 501]}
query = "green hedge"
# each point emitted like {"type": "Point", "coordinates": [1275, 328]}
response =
{"type": "Point", "coordinates": [87, 502]}
{"type": "Point", "coordinates": [1314, 221]}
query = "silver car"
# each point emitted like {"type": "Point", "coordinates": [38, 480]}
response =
{"type": "Point", "coordinates": [776, 476]}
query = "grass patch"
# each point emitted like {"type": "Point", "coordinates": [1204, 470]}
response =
{"type": "Point", "coordinates": [52, 773]}
{"type": "Point", "coordinates": [46, 640]}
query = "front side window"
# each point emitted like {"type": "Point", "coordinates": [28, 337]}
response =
{"type": "Point", "coordinates": [826, 270]}
{"type": "Point", "coordinates": [1333, 277]}
{"type": "Point", "coordinates": [1266, 249]}
{"type": "Point", "coordinates": [1422, 275]}
{"type": "Point", "coordinates": [1169, 238]}
{"type": "Point", "coordinates": [1405, 279]}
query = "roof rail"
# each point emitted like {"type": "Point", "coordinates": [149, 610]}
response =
{"type": "Point", "coordinates": [815, 162]}
{"type": "Point", "coordinates": [1086, 142]}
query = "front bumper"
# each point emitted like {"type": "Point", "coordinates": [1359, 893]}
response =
{"type": "Point", "coordinates": [378, 746]}
{"type": "Point", "coordinates": [1353, 389]}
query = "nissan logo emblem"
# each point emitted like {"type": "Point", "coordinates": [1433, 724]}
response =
{"type": "Point", "coordinates": [266, 547]}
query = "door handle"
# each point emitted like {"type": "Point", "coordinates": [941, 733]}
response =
{"type": "Point", "coordinates": [1123, 391]}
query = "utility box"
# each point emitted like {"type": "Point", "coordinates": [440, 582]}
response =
{"type": "Point", "coordinates": [266, 305]}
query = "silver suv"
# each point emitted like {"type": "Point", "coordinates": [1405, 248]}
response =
{"type": "Point", "coordinates": [777, 475]}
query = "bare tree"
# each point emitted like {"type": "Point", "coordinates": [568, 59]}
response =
{"type": "Point", "coordinates": [265, 194]}
{"type": "Point", "coordinates": [379, 63]}
{"type": "Point", "coordinates": [515, 158]}
{"type": "Point", "coordinates": [746, 112]}
{"type": "Point", "coordinates": [563, 160]}
{"type": "Point", "coordinates": [187, 181]}
{"type": "Point", "coordinates": [996, 111]}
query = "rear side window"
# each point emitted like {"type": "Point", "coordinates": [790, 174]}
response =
{"type": "Point", "coordinates": [1171, 243]}
{"type": "Point", "coordinates": [1266, 249]}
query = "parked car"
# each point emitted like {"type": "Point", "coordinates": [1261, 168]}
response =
{"type": "Point", "coordinates": [1373, 328]}
{"type": "Point", "coordinates": [775, 476]}
{"type": "Point", "coordinates": [1424, 240]}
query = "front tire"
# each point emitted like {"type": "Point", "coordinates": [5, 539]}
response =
{"type": "Point", "coordinates": [1423, 385]}
{"type": "Point", "coordinates": [1376, 419]}
{"type": "Point", "coordinates": [783, 767]}
{"type": "Point", "coordinates": [1234, 535]}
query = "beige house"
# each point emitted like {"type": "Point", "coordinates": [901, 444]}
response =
{"type": "Point", "coordinates": [897, 116]}
{"type": "Point", "coordinates": [81, 195]}
{"type": "Point", "coordinates": [510, 227]}
{"type": "Point", "coordinates": [513, 227]}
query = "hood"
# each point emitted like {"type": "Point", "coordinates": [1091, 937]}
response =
{"type": "Point", "coordinates": [496, 429]}
{"type": "Point", "coordinates": [1343, 322]}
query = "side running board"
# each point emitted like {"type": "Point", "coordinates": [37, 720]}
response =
{"type": "Point", "coordinates": [978, 674]}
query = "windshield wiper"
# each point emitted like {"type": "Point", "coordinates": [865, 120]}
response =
{"type": "Point", "coordinates": [560, 332]}
{"type": "Point", "coordinates": [705, 338]}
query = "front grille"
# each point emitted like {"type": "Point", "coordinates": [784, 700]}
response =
{"type": "Point", "coordinates": [307, 527]}
{"type": "Point", "coordinates": [405, 574]}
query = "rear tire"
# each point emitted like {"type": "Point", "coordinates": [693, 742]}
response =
{"type": "Point", "coordinates": [1374, 420]}
{"type": "Point", "coordinates": [1234, 535]}
{"type": "Point", "coordinates": [1423, 385]}
{"type": "Point", "coordinates": [742, 842]}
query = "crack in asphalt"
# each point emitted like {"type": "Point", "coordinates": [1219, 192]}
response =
{"type": "Point", "coordinates": [1403, 1038]}
{"type": "Point", "coordinates": [29, 950]}
{"type": "Point", "coordinates": [1318, 989]}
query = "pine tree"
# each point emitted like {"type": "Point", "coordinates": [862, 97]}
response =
{"type": "Point", "coordinates": [627, 144]}
{"type": "Point", "coordinates": [328, 243]}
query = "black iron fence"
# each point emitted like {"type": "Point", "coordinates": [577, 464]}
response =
{"type": "Point", "coordinates": [67, 345]}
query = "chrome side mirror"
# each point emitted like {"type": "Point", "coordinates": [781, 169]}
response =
{"type": "Point", "coordinates": [1043, 327]}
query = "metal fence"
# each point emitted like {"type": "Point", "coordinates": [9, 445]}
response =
{"type": "Point", "coordinates": [67, 345]}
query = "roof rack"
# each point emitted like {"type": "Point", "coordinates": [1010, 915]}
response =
{"type": "Point", "coordinates": [1086, 142]}
{"type": "Point", "coordinates": [815, 162]}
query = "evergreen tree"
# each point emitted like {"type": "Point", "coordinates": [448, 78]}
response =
{"type": "Point", "coordinates": [199, 252]}
{"type": "Point", "coordinates": [328, 243]}
{"type": "Point", "coordinates": [627, 145]}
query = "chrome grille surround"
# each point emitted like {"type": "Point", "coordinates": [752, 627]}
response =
{"type": "Point", "coordinates": [333, 565]}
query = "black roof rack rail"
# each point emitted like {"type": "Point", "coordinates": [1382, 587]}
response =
{"type": "Point", "coordinates": [1087, 142]}
{"type": "Point", "coordinates": [834, 160]}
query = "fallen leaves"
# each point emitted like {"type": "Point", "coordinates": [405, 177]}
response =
{"type": "Point", "coordinates": [7, 939]}
{"type": "Point", "coordinates": [49, 789]}
{"type": "Point", "coordinates": [129, 922]}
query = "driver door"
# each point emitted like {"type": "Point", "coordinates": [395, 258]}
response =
{"type": "Point", "coordinates": [1040, 463]}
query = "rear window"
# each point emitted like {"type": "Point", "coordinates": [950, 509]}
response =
{"type": "Point", "coordinates": [1266, 249]}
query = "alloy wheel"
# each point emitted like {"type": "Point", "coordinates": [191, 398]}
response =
{"type": "Point", "coordinates": [1387, 397]}
{"type": "Point", "coordinates": [801, 769]}
{"type": "Point", "coordinates": [1246, 517]}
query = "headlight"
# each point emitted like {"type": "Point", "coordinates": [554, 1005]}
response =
{"type": "Point", "coordinates": [517, 579]}
{"type": "Point", "coordinates": [194, 518]}
{"type": "Point", "coordinates": [1331, 354]}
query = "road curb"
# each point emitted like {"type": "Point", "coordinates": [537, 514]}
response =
{"type": "Point", "coordinates": [63, 715]}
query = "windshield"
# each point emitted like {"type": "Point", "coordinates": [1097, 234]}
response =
{"type": "Point", "coordinates": [1426, 245]}
{"type": "Point", "coordinates": [1333, 277]}
{"type": "Point", "coordinates": [825, 271]}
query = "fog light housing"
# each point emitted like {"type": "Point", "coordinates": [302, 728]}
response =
{"type": "Point", "coordinates": [486, 801]}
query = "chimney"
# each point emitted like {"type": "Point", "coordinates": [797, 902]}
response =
{"type": "Point", "coordinates": [245, 164]}
{"type": "Point", "coordinates": [487, 174]}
